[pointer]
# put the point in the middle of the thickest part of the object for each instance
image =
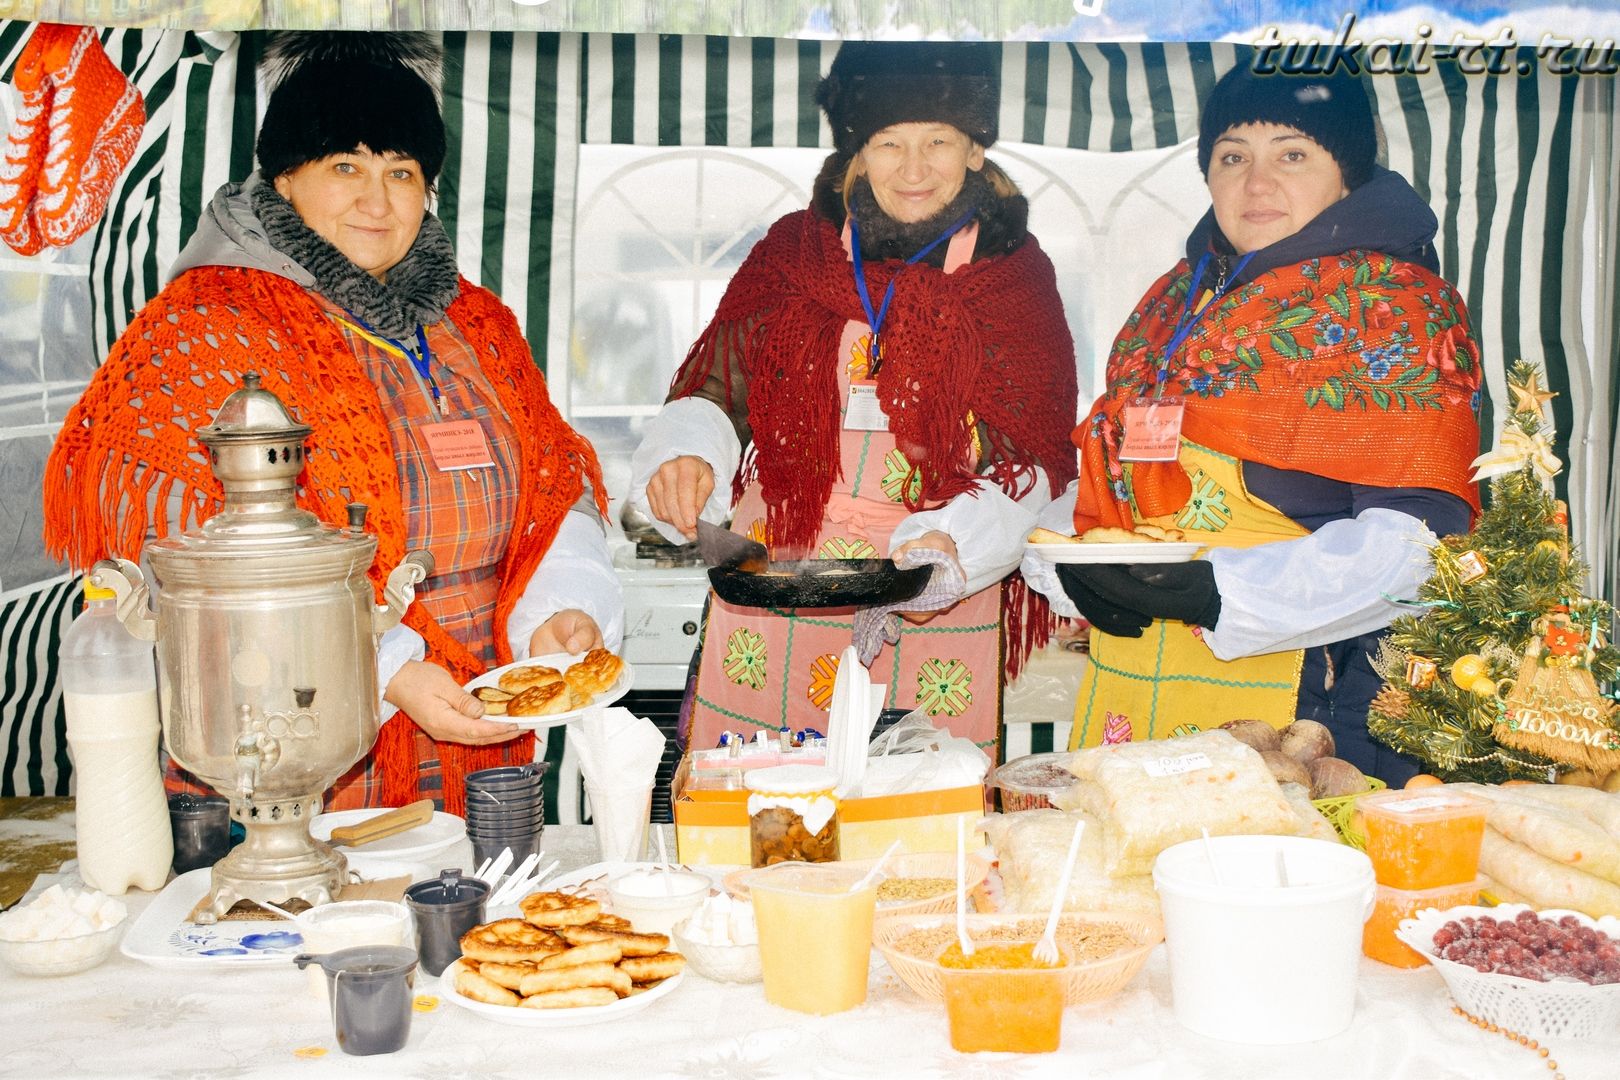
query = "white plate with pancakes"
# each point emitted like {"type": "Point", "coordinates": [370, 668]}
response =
{"type": "Point", "coordinates": [544, 672]}
{"type": "Point", "coordinates": [554, 1018]}
{"type": "Point", "coordinates": [1150, 551]}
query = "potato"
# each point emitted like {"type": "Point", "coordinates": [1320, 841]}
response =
{"type": "Point", "coordinates": [1285, 768]}
{"type": "Point", "coordinates": [1306, 740]}
{"type": "Point", "coordinates": [1332, 777]}
{"type": "Point", "coordinates": [1256, 733]}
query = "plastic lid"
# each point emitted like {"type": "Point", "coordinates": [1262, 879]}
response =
{"type": "Point", "coordinates": [95, 592]}
{"type": "Point", "coordinates": [1422, 805]}
{"type": "Point", "coordinates": [791, 779]}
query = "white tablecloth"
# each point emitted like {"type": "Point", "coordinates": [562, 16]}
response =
{"type": "Point", "coordinates": [126, 1019]}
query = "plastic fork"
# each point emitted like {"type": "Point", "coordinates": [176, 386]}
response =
{"type": "Point", "coordinates": [1046, 950]}
{"type": "Point", "coordinates": [962, 938]}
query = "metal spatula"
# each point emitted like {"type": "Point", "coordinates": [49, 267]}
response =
{"type": "Point", "coordinates": [724, 548]}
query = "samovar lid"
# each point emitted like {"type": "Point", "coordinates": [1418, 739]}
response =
{"type": "Point", "coordinates": [251, 413]}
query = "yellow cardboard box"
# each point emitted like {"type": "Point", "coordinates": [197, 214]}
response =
{"type": "Point", "coordinates": [711, 827]}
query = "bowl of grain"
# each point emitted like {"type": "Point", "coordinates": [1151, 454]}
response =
{"type": "Point", "coordinates": [1101, 950]}
{"type": "Point", "coordinates": [911, 883]}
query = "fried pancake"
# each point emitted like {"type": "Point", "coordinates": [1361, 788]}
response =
{"type": "Point", "coordinates": [507, 975]}
{"type": "Point", "coordinates": [474, 985]}
{"type": "Point", "coordinates": [575, 978]}
{"type": "Point", "coordinates": [571, 999]}
{"type": "Point", "coordinates": [510, 941]}
{"type": "Point", "coordinates": [542, 700]}
{"type": "Point", "coordinates": [629, 943]}
{"type": "Point", "coordinates": [521, 678]}
{"type": "Point", "coordinates": [597, 952]}
{"type": "Point", "coordinates": [1047, 536]}
{"type": "Point", "coordinates": [594, 672]}
{"type": "Point", "coordinates": [652, 968]}
{"type": "Point", "coordinates": [559, 909]}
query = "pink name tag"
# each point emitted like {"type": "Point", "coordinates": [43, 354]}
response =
{"type": "Point", "coordinates": [458, 444]}
{"type": "Point", "coordinates": [1152, 429]}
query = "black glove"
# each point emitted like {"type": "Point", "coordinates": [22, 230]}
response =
{"type": "Point", "coordinates": [1123, 599]}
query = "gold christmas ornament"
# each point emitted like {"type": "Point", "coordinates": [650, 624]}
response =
{"type": "Point", "coordinates": [1529, 397]}
{"type": "Point", "coordinates": [1471, 566]}
{"type": "Point", "coordinates": [1392, 702]}
{"type": "Point", "coordinates": [1421, 672]}
{"type": "Point", "coordinates": [1468, 669]}
{"type": "Point", "coordinates": [1555, 709]}
{"type": "Point", "coordinates": [1483, 686]}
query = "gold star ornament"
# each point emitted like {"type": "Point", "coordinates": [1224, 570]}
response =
{"type": "Point", "coordinates": [1530, 397]}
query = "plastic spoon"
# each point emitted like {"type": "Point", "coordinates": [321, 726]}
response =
{"type": "Point", "coordinates": [504, 893]}
{"type": "Point", "coordinates": [498, 867]}
{"type": "Point", "coordinates": [866, 879]}
{"type": "Point", "coordinates": [1209, 853]}
{"type": "Point", "coordinates": [962, 938]}
{"type": "Point", "coordinates": [1046, 950]}
{"type": "Point", "coordinates": [483, 868]}
{"type": "Point", "coordinates": [1282, 871]}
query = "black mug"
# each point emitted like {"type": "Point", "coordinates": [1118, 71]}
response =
{"type": "Point", "coordinates": [202, 830]}
{"type": "Point", "coordinates": [443, 909]}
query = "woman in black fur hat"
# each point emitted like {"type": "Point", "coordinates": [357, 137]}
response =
{"type": "Point", "coordinates": [895, 363]}
{"type": "Point", "coordinates": [326, 273]}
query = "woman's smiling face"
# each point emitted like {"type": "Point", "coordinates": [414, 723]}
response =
{"type": "Point", "coordinates": [1268, 182]}
{"type": "Point", "coordinates": [368, 206]}
{"type": "Point", "coordinates": [917, 168]}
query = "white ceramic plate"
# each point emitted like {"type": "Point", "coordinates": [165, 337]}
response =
{"type": "Point", "coordinates": [560, 661]}
{"type": "Point", "coordinates": [554, 1018]}
{"type": "Point", "coordinates": [160, 936]}
{"type": "Point", "coordinates": [1146, 552]}
{"type": "Point", "coordinates": [439, 834]}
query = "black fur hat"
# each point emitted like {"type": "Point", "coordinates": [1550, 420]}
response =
{"type": "Point", "coordinates": [1331, 109]}
{"type": "Point", "coordinates": [331, 92]}
{"type": "Point", "coordinates": [874, 84]}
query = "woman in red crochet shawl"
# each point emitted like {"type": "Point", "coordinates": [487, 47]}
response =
{"type": "Point", "coordinates": [325, 273]}
{"type": "Point", "coordinates": [1326, 380]}
{"type": "Point", "coordinates": [895, 363]}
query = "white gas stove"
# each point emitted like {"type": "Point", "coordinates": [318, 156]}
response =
{"type": "Point", "coordinates": [663, 612]}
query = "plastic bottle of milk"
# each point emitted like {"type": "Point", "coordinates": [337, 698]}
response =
{"type": "Point", "coordinates": [109, 691]}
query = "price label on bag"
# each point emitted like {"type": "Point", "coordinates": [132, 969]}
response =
{"type": "Point", "coordinates": [1175, 766]}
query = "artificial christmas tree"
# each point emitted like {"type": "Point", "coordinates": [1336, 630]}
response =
{"type": "Point", "coordinates": [1497, 675]}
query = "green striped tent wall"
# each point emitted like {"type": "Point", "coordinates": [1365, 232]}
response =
{"type": "Point", "coordinates": [1513, 166]}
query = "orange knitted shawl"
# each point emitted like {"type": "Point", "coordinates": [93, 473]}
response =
{"type": "Point", "coordinates": [1357, 367]}
{"type": "Point", "coordinates": [127, 447]}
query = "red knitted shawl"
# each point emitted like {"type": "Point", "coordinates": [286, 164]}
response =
{"type": "Point", "coordinates": [989, 339]}
{"type": "Point", "coordinates": [127, 446]}
{"type": "Point", "coordinates": [1357, 367]}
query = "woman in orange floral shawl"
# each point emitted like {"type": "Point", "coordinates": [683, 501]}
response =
{"type": "Point", "coordinates": [1298, 397]}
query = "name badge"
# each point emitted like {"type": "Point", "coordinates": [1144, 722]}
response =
{"type": "Point", "coordinates": [863, 413]}
{"type": "Point", "coordinates": [1152, 429]}
{"type": "Point", "coordinates": [458, 444]}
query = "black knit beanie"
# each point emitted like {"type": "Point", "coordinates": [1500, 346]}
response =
{"type": "Point", "coordinates": [1331, 109]}
{"type": "Point", "coordinates": [333, 92]}
{"type": "Point", "coordinates": [873, 84]}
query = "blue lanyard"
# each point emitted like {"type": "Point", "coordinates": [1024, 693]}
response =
{"type": "Point", "coordinates": [1192, 313]}
{"type": "Point", "coordinates": [874, 319]}
{"type": "Point", "coordinates": [421, 359]}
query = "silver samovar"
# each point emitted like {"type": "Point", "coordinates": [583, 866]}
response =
{"type": "Point", "coordinates": [266, 637]}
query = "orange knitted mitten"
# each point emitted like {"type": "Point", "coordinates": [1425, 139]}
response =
{"type": "Point", "coordinates": [96, 120]}
{"type": "Point", "coordinates": [25, 146]}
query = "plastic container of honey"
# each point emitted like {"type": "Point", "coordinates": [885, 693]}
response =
{"type": "Point", "coordinates": [1390, 906]}
{"type": "Point", "coordinates": [1423, 839]}
{"type": "Point", "coordinates": [1000, 1000]}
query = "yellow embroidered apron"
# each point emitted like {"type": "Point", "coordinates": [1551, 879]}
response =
{"type": "Point", "coordinates": [1167, 682]}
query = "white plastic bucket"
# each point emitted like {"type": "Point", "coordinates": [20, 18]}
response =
{"type": "Point", "coordinates": [1252, 961]}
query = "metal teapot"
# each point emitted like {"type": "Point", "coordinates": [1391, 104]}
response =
{"type": "Point", "coordinates": [266, 637]}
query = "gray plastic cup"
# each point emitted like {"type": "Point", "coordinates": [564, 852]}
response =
{"type": "Point", "coordinates": [370, 987]}
{"type": "Point", "coordinates": [202, 830]}
{"type": "Point", "coordinates": [443, 909]}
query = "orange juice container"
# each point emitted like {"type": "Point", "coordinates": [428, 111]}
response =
{"type": "Point", "coordinates": [998, 999]}
{"type": "Point", "coordinates": [1423, 839]}
{"type": "Point", "coordinates": [1390, 906]}
{"type": "Point", "coordinates": [815, 935]}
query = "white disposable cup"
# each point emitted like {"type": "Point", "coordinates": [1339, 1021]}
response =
{"type": "Point", "coordinates": [343, 924]}
{"type": "Point", "coordinates": [620, 815]}
{"type": "Point", "coordinates": [1253, 961]}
